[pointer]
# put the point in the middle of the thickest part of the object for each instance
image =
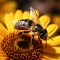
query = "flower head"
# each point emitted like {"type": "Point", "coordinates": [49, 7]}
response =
{"type": "Point", "coordinates": [19, 47]}
{"type": "Point", "coordinates": [56, 19]}
{"type": "Point", "coordinates": [6, 6]}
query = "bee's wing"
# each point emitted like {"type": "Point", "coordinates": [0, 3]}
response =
{"type": "Point", "coordinates": [51, 29]}
{"type": "Point", "coordinates": [31, 12]}
{"type": "Point", "coordinates": [34, 15]}
{"type": "Point", "coordinates": [43, 20]}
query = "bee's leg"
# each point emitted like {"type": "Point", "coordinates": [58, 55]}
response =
{"type": "Point", "coordinates": [39, 39]}
{"type": "Point", "coordinates": [51, 38]}
{"type": "Point", "coordinates": [32, 39]}
{"type": "Point", "coordinates": [26, 31]}
{"type": "Point", "coordinates": [20, 33]}
{"type": "Point", "coordinates": [46, 43]}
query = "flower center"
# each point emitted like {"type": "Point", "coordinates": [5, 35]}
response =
{"type": "Point", "coordinates": [23, 44]}
{"type": "Point", "coordinates": [20, 47]}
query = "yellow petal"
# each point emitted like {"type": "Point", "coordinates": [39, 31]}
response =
{"type": "Point", "coordinates": [3, 58]}
{"type": "Point", "coordinates": [54, 42]}
{"type": "Point", "coordinates": [47, 57]}
{"type": "Point", "coordinates": [18, 15]}
{"type": "Point", "coordinates": [57, 49]}
{"type": "Point", "coordinates": [3, 30]}
{"type": "Point", "coordinates": [52, 52]}
{"type": "Point", "coordinates": [2, 34]}
{"type": "Point", "coordinates": [11, 15]}
{"type": "Point", "coordinates": [37, 12]}
{"type": "Point", "coordinates": [44, 20]}
{"type": "Point", "coordinates": [51, 29]}
{"type": "Point", "coordinates": [2, 55]}
{"type": "Point", "coordinates": [56, 19]}
{"type": "Point", "coordinates": [8, 22]}
{"type": "Point", "coordinates": [1, 38]}
{"type": "Point", "coordinates": [26, 15]}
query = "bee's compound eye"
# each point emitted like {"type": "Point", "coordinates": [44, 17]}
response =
{"type": "Point", "coordinates": [38, 27]}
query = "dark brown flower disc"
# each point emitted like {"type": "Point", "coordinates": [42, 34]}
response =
{"type": "Point", "coordinates": [20, 47]}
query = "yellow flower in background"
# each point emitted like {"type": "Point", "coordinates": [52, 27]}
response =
{"type": "Point", "coordinates": [9, 39]}
{"type": "Point", "coordinates": [5, 7]}
{"type": "Point", "coordinates": [56, 19]}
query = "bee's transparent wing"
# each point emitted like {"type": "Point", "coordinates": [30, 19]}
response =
{"type": "Point", "coordinates": [43, 20]}
{"type": "Point", "coordinates": [34, 15]}
{"type": "Point", "coordinates": [32, 12]}
{"type": "Point", "coordinates": [51, 29]}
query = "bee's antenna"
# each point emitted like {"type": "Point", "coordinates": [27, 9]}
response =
{"type": "Point", "coordinates": [46, 43]}
{"type": "Point", "coordinates": [50, 38]}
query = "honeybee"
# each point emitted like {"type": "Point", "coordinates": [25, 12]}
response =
{"type": "Point", "coordinates": [30, 25]}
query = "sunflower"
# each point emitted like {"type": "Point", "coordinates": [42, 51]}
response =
{"type": "Point", "coordinates": [6, 6]}
{"type": "Point", "coordinates": [16, 47]}
{"type": "Point", "coordinates": [56, 19]}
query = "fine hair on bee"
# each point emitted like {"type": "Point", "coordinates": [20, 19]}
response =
{"type": "Point", "coordinates": [31, 26]}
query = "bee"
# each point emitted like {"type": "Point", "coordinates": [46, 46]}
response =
{"type": "Point", "coordinates": [30, 25]}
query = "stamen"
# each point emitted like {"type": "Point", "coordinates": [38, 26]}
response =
{"type": "Point", "coordinates": [20, 48]}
